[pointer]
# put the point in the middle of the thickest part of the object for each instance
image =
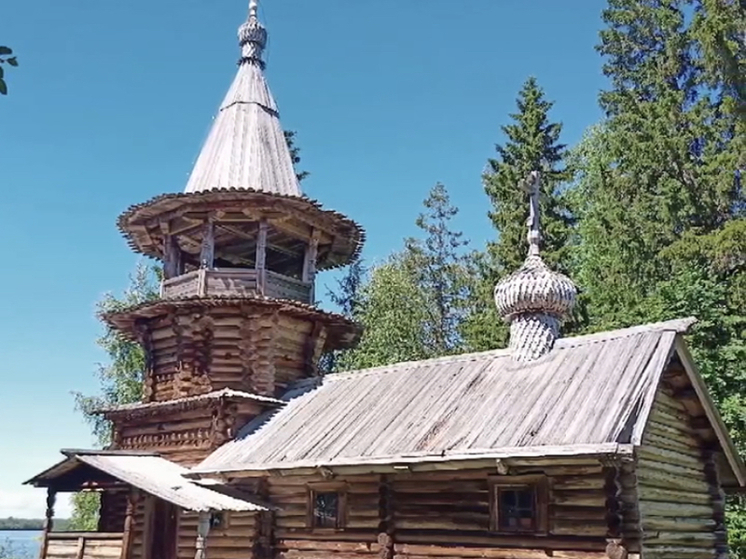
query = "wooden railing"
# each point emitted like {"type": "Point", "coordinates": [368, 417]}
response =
{"type": "Point", "coordinates": [236, 282]}
{"type": "Point", "coordinates": [82, 545]}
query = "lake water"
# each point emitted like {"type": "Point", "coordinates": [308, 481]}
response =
{"type": "Point", "coordinates": [21, 544]}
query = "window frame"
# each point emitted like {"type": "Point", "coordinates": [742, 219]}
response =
{"type": "Point", "coordinates": [312, 489]}
{"type": "Point", "coordinates": [540, 486]}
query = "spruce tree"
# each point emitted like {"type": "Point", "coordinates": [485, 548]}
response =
{"type": "Point", "coordinates": [441, 271]}
{"type": "Point", "coordinates": [661, 212]}
{"type": "Point", "coordinates": [532, 143]}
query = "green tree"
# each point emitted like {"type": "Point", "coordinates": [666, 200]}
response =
{"type": "Point", "coordinates": [532, 143]}
{"type": "Point", "coordinates": [295, 153]}
{"type": "Point", "coordinates": [440, 271]}
{"type": "Point", "coordinates": [346, 297]}
{"type": "Point", "coordinates": [6, 57]}
{"type": "Point", "coordinates": [411, 305]}
{"type": "Point", "coordinates": [392, 311]}
{"type": "Point", "coordinates": [661, 216]}
{"type": "Point", "coordinates": [120, 381]}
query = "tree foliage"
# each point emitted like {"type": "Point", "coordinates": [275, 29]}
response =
{"type": "Point", "coordinates": [6, 57]}
{"type": "Point", "coordinates": [660, 213]}
{"type": "Point", "coordinates": [294, 153]}
{"type": "Point", "coordinates": [120, 381]}
{"type": "Point", "coordinates": [411, 306]}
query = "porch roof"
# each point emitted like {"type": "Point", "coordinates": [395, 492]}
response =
{"type": "Point", "coordinates": [150, 473]}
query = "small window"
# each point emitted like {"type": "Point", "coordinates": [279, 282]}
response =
{"type": "Point", "coordinates": [326, 506]}
{"type": "Point", "coordinates": [326, 510]}
{"type": "Point", "coordinates": [519, 504]}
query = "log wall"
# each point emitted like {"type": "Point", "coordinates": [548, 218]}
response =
{"type": "Point", "coordinates": [236, 539]}
{"type": "Point", "coordinates": [681, 506]}
{"type": "Point", "coordinates": [252, 350]}
{"type": "Point", "coordinates": [442, 514]}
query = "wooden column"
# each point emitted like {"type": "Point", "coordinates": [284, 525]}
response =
{"type": "Point", "coordinates": [261, 257]}
{"type": "Point", "coordinates": [129, 519]}
{"type": "Point", "coordinates": [203, 528]}
{"type": "Point", "coordinates": [615, 548]}
{"type": "Point", "coordinates": [309, 263]}
{"type": "Point", "coordinates": [386, 519]}
{"type": "Point", "coordinates": [48, 522]}
{"type": "Point", "coordinates": [207, 254]}
{"type": "Point", "coordinates": [172, 257]}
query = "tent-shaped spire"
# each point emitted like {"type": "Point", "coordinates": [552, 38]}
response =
{"type": "Point", "coordinates": [246, 146]}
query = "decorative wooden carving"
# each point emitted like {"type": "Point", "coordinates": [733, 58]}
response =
{"type": "Point", "coordinates": [48, 522]}
{"type": "Point", "coordinates": [203, 528]}
{"type": "Point", "coordinates": [386, 519]}
{"type": "Point", "coordinates": [133, 498]}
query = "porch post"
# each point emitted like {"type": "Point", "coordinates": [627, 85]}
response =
{"type": "Point", "coordinates": [133, 499]}
{"type": "Point", "coordinates": [309, 263]}
{"type": "Point", "coordinates": [207, 254]}
{"type": "Point", "coordinates": [203, 528]}
{"type": "Point", "coordinates": [48, 522]}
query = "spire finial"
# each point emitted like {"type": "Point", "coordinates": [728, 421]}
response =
{"type": "Point", "coordinates": [532, 185]}
{"type": "Point", "coordinates": [252, 36]}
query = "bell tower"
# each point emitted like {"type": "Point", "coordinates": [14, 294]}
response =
{"type": "Point", "coordinates": [236, 320]}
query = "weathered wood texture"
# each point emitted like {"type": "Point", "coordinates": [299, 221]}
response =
{"type": "Point", "coordinates": [184, 436]}
{"type": "Point", "coordinates": [235, 539]}
{"type": "Point", "coordinates": [84, 545]}
{"type": "Point", "coordinates": [252, 350]}
{"type": "Point", "coordinates": [112, 511]}
{"type": "Point", "coordinates": [679, 505]}
{"type": "Point", "coordinates": [442, 514]}
{"type": "Point", "coordinates": [236, 282]}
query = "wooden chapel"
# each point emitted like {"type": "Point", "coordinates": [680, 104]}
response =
{"type": "Point", "coordinates": [605, 446]}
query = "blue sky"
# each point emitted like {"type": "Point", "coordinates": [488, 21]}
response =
{"type": "Point", "coordinates": [112, 101]}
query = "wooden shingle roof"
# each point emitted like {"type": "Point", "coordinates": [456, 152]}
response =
{"type": "Point", "coordinates": [584, 397]}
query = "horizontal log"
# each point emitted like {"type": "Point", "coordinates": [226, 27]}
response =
{"type": "Point", "coordinates": [668, 480]}
{"type": "Point", "coordinates": [347, 535]}
{"type": "Point", "coordinates": [304, 554]}
{"type": "Point", "coordinates": [690, 460]}
{"type": "Point", "coordinates": [652, 508]}
{"type": "Point", "coordinates": [644, 464]}
{"type": "Point", "coordinates": [486, 539]}
{"type": "Point", "coordinates": [666, 552]}
{"type": "Point", "coordinates": [577, 498]}
{"type": "Point", "coordinates": [678, 524]}
{"type": "Point", "coordinates": [688, 539]}
{"type": "Point", "coordinates": [312, 545]}
{"type": "Point", "coordinates": [408, 550]}
{"type": "Point", "coordinates": [647, 493]}
{"type": "Point", "coordinates": [562, 527]}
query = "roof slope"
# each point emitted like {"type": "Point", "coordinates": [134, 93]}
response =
{"type": "Point", "coordinates": [152, 474]}
{"type": "Point", "coordinates": [585, 394]}
{"type": "Point", "coordinates": [246, 146]}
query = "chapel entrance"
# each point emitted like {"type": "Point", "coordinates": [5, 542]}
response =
{"type": "Point", "coordinates": [163, 530]}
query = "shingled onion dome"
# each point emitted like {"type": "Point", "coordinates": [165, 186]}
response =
{"type": "Point", "coordinates": [534, 300]}
{"type": "Point", "coordinates": [252, 36]}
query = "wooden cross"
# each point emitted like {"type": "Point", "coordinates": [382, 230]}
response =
{"type": "Point", "coordinates": [532, 185]}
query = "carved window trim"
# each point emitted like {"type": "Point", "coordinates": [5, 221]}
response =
{"type": "Point", "coordinates": [313, 489]}
{"type": "Point", "coordinates": [539, 484]}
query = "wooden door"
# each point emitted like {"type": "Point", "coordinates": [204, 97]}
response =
{"type": "Point", "coordinates": [164, 530]}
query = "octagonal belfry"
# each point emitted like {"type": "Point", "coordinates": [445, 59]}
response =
{"type": "Point", "coordinates": [236, 320]}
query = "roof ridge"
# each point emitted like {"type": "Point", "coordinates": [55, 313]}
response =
{"type": "Point", "coordinates": [679, 325]}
